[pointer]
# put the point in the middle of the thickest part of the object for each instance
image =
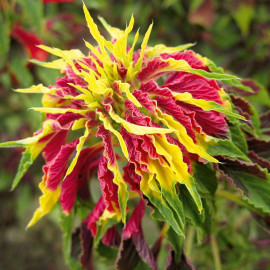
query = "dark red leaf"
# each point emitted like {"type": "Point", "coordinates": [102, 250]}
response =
{"type": "Point", "coordinates": [133, 245]}
{"type": "Point", "coordinates": [94, 216]}
{"type": "Point", "coordinates": [242, 106]}
{"type": "Point", "coordinates": [259, 160]}
{"type": "Point", "coordinates": [260, 147]}
{"type": "Point", "coordinates": [265, 122]}
{"type": "Point", "coordinates": [242, 166]}
{"type": "Point", "coordinates": [247, 82]}
{"type": "Point", "coordinates": [111, 237]}
{"type": "Point", "coordinates": [87, 247]}
{"type": "Point", "coordinates": [183, 264]}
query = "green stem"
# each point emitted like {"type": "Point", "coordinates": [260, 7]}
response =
{"type": "Point", "coordinates": [189, 240]}
{"type": "Point", "coordinates": [215, 252]}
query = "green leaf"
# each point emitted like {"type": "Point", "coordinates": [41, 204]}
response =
{"type": "Point", "coordinates": [243, 16]}
{"type": "Point", "coordinates": [225, 148]}
{"type": "Point", "coordinates": [66, 223]}
{"type": "Point", "coordinates": [238, 138]}
{"type": "Point", "coordinates": [176, 206]}
{"type": "Point", "coordinates": [28, 156]}
{"type": "Point", "coordinates": [164, 210]}
{"type": "Point", "coordinates": [33, 11]}
{"type": "Point", "coordinates": [250, 179]}
{"type": "Point", "coordinates": [214, 75]}
{"type": "Point", "coordinates": [142, 265]}
{"type": "Point", "coordinates": [191, 211]}
{"type": "Point", "coordinates": [256, 191]}
{"type": "Point", "coordinates": [26, 161]}
{"type": "Point", "coordinates": [176, 242]}
{"type": "Point", "coordinates": [107, 252]}
{"type": "Point", "coordinates": [102, 227]}
{"type": "Point", "coordinates": [255, 120]}
{"type": "Point", "coordinates": [233, 81]}
{"type": "Point", "coordinates": [205, 179]}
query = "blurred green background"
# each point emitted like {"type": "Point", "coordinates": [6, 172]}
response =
{"type": "Point", "coordinates": [235, 34]}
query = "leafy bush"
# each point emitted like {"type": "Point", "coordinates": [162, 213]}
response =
{"type": "Point", "coordinates": [161, 127]}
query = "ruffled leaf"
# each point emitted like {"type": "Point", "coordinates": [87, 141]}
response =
{"type": "Point", "coordinates": [133, 242]}
{"type": "Point", "coordinates": [251, 180]}
{"type": "Point", "coordinates": [47, 201]}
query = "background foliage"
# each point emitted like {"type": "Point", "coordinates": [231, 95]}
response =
{"type": "Point", "coordinates": [235, 34]}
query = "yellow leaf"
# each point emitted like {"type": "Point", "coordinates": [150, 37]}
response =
{"type": "Point", "coordinates": [124, 87]}
{"type": "Point", "coordinates": [95, 32]}
{"type": "Point", "coordinates": [47, 201]}
{"type": "Point", "coordinates": [39, 89]}
{"type": "Point", "coordinates": [109, 127]}
{"type": "Point", "coordinates": [78, 150]}
{"type": "Point", "coordinates": [174, 157]}
{"type": "Point", "coordinates": [182, 136]}
{"type": "Point", "coordinates": [136, 129]}
{"type": "Point", "coordinates": [56, 64]}
{"type": "Point", "coordinates": [59, 110]}
{"type": "Point", "coordinates": [138, 65]}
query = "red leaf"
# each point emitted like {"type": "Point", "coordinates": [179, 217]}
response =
{"type": "Point", "coordinates": [242, 166]}
{"type": "Point", "coordinates": [259, 146]}
{"type": "Point", "coordinates": [108, 146]}
{"type": "Point", "coordinates": [133, 244]}
{"type": "Point", "coordinates": [52, 149]}
{"type": "Point", "coordinates": [259, 160]}
{"type": "Point", "coordinates": [111, 237]}
{"type": "Point", "coordinates": [131, 177]}
{"type": "Point", "coordinates": [152, 87]}
{"type": "Point", "coordinates": [30, 42]}
{"type": "Point", "coordinates": [55, 169]}
{"type": "Point", "coordinates": [252, 84]}
{"type": "Point", "coordinates": [79, 175]}
{"type": "Point", "coordinates": [145, 100]}
{"type": "Point", "coordinates": [135, 116]}
{"type": "Point", "coordinates": [94, 216]}
{"type": "Point", "coordinates": [87, 247]}
{"type": "Point", "coordinates": [170, 107]}
{"type": "Point", "coordinates": [211, 122]}
{"type": "Point", "coordinates": [198, 87]}
{"type": "Point", "coordinates": [265, 122]}
{"type": "Point", "coordinates": [134, 224]}
{"type": "Point", "coordinates": [108, 188]}
{"type": "Point", "coordinates": [151, 70]}
{"type": "Point", "coordinates": [189, 56]}
{"type": "Point", "coordinates": [184, 263]}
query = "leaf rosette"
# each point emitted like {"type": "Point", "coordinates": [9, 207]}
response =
{"type": "Point", "coordinates": [148, 122]}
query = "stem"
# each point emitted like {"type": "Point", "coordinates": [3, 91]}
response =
{"type": "Point", "coordinates": [189, 240]}
{"type": "Point", "coordinates": [164, 229]}
{"type": "Point", "coordinates": [215, 252]}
